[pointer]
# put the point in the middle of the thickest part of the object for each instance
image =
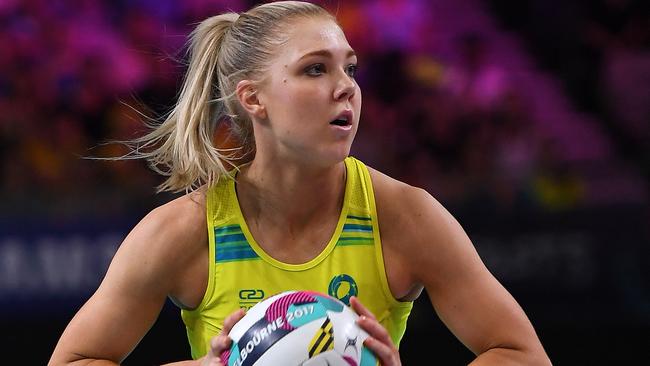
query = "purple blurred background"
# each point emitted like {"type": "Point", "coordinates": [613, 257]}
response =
{"type": "Point", "coordinates": [529, 120]}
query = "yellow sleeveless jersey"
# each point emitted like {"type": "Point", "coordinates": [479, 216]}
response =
{"type": "Point", "coordinates": [241, 274]}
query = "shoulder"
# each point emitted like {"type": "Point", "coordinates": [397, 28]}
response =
{"type": "Point", "coordinates": [181, 217]}
{"type": "Point", "coordinates": [175, 221]}
{"type": "Point", "coordinates": [169, 238]}
{"type": "Point", "coordinates": [412, 221]}
{"type": "Point", "coordinates": [402, 204]}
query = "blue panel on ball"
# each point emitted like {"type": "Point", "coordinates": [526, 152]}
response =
{"type": "Point", "coordinates": [330, 304]}
{"type": "Point", "coordinates": [301, 314]}
{"type": "Point", "coordinates": [367, 358]}
{"type": "Point", "coordinates": [234, 354]}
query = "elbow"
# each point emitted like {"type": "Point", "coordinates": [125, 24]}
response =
{"type": "Point", "coordinates": [513, 356]}
{"type": "Point", "coordinates": [57, 360]}
{"type": "Point", "coordinates": [534, 357]}
{"type": "Point", "coordinates": [541, 358]}
{"type": "Point", "coordinates": [70, 360]}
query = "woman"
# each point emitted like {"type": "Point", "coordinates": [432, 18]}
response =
{"type": "Point", "coordinates": [300, 214]}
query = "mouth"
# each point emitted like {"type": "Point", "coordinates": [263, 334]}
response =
{"type": "Point", "coordinates": [343, 119]}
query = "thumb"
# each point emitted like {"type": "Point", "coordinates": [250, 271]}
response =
{"type": "Point", "coordinates": [219, 347]}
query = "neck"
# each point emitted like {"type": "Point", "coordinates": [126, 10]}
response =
{"type": "Point", "coordinates": [290, 195]}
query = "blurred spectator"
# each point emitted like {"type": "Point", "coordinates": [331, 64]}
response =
{"type": "Point", "coordinates": [620, 30]}
{"type": "Point", "coordinates": [388, 18]}
{"type": "Point", "coordinates": [516, 152]}
{"type": "Point", "coordinates": [556, 187]}
{"type": "Point", "coordinates": [475, 81]}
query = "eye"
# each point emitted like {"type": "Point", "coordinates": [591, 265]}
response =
{"type": "Point", "coordinates": [351, 70]}
{"type": "Point", "coordinates": [315, 70]}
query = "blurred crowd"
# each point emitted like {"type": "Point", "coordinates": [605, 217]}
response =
{"type": "Point", "coordinates": [76, 74]}
{"type": "Point", "coordinates": [601, 50]}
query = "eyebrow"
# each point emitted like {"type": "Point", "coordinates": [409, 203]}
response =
{"type": "Point", "coordinates": [325, 53]}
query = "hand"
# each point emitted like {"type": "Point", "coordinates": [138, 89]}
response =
{"type": "Point", "coordinates": [222, 342]}
{"type": "Point", "coordinates": [379, 340]}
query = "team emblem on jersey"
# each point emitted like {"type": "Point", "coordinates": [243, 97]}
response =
{"type": "Point", "coordinates": [249, 297]}
{"type": "Point", "coordinates": [343, 287]}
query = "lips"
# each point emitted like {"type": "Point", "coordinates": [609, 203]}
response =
{"type": "Point", "coordinates": [343, 119]}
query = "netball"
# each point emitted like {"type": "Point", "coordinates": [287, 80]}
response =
{"type": "Point", "coordinates": [298, 328]}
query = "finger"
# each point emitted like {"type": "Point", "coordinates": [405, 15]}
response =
{"type": "Point", "coordinates": [231, 320]}
{"type": "Point", "coordinates": [222, 342]}
{"type": "Point", "coordinates": [358, 307]}
{"type": "Point", "coordinates": [375, 330]}
{"type": "Point", "coordinates": [387, 354]}
{"type": "Point", "coordinates": [211, 361]}
{"type": "Point", "coordinates": [219, 344]}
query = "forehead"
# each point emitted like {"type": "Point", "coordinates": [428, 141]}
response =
{"type": "Point", "coordinates": [313, 34]}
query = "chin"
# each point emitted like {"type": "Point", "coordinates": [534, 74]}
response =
{"type": "Point", "coordinates": [330, 158]}
{"type": "Point", "coordinates": [339, 156]}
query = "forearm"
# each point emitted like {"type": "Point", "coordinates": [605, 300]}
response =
{"type": "Point", "coordinates": [89, 362]}
{"type": "Point", "coordinates": [185, 363]}
{"type": "Point", "coordinates": [511, 357]}
{"type": "Point", "coordinates": [84, 362]}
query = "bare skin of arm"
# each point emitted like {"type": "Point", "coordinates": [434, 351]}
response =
{"type": "Point", "coordinates": [477, 309]}
{"type": "Point", "coordinates": [165, 255]}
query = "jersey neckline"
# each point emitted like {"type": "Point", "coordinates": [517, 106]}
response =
{"type": "Point", "coordinates": [318, 258]}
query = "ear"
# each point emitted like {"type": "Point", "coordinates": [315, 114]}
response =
{"type": "Point", "coordinates": [248, 98]}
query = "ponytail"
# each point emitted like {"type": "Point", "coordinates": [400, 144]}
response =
{"type": "Point", "coordinates": [184, 149]}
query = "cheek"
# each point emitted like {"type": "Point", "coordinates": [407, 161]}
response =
{"type": "Point", "coordinates": [305, 98]}
{"type": "Point", "coordinates": [291, 92]}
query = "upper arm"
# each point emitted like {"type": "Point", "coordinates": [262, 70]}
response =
{"type": "Point", "coordinates": [424, 246]}
{"type": "Point", "coordinates": [128, 301]}
{"type": "Point", "coordinates": [467, 298]}
{"type": "Point", "coordinates": [115, 318]}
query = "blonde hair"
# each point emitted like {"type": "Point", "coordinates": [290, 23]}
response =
{"type": "Point", "coordinates": [223, 50]}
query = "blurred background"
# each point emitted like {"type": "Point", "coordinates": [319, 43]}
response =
{"type": "Point", "coordinates": [528, 120]}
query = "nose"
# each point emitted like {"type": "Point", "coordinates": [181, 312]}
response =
{"type": "Point", "coordinates": [345, 87]}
